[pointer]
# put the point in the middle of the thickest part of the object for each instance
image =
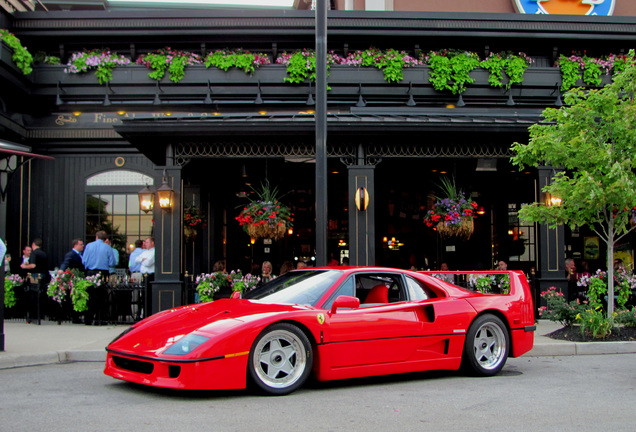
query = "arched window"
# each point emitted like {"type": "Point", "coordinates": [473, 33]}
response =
{"type": "Point", "coordinates": [112, 205]}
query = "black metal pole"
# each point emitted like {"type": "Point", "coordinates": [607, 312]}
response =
{"type": "Point", "coordinates": [321, 132]}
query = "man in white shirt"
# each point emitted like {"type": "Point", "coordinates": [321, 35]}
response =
{"type": "Point", "coordinates": [147, 258]}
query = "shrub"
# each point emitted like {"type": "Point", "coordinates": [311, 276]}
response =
{"type": "Point", "coordinates": [558, 309]}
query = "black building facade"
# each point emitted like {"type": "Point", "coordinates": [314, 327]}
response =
{"type": "Point", "coordinates": [214, 135]}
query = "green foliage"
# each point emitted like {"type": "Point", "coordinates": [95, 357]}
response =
{"type": "Point", "coordinates": [300, 66]}
{"type": "Point", "coordinates": [558, 309]}
{"type": "Point", "coordinates": [513, 65]}
{"type": "Point", "coordinates": [596, 290]}
{"type": "Point", "coordinates": [569, 72]}
{"type": "Point", "coordinates": [240, 59]}
{"type": "Point", "coordinates": [167, 59]}
{"type": "Point", "coordinates": [490, 284]}
{"type": "Point", "coordinates": [41, 57]}
{"type": "Point", "coordinates": [102, 61]}
{"type": "Point", "coordinates": [10, 283]}
{"type": "Point", "coordinates": [594, 323]}
{"type": "Point", "coordinates": [626, 317]}
{"type": "Point", "coordinates": [450, 70]}
{"type": "Point", "coordinates": [392, 63]}
{"type": "Point", "coordinates": [72, 283]}
{"type": "Point", "coordinates": [21, 56]}
{"type": "Point", "coordinates": [592, 68]}
{"type": "Point", "coordinates": [593, 141]}
{"type": "Point", "coordinates": [209, 284]}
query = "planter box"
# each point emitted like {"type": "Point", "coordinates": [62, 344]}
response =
{"type": "Point", "coordinates": [346, 84]}
{"type": "Point", "coordinates": [9, 71]}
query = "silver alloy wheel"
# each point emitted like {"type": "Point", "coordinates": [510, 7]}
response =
{"type": "Point", "coordinates": [489, 345]}
{"type": "Point", "coordinates": [279, 359]}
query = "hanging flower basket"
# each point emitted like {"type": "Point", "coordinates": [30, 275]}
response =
{"type": "Point", "coordinates": [452, 215]}
{"type": "Point", "coordinates": [193, 220]}
{"type": "Point", "coordinates": [265, 217]}
{"type": "Point", "coordinates": [266, 230]}
{"type": "Point", "coordinates": [464, 229]}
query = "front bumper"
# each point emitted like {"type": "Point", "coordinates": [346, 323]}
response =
{"type": "Point", "coordinates": [219, 373]}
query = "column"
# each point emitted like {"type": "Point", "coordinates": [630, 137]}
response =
{"type": "Point", "coordinates": [551, 246]}
{"type": "Point", "coordinates": [361, 222]}
{"type": "Point", "coordinates": [167, 286]}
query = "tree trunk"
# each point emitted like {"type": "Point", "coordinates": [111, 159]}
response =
{"type": "Point", "coordinates": [610, 269]}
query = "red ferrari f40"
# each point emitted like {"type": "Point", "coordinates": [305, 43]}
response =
{"type": "Point", "coordinates": [330, 323]}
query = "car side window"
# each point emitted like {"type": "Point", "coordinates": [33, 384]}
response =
{"type": "Point", "coordinates": [418, 291]}
{"type": "Point", "coordinates": [345, 289]}
{"type": "Point", "coordinates": [375, 289]}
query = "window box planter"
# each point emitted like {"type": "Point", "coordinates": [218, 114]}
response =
{"type": "Point", "coordinates": [346, 84]}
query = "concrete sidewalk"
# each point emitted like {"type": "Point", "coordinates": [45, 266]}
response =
{"type": "Point", "coordinates": [49, 343]}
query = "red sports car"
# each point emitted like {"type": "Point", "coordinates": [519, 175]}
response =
{"type": "Point", "coordinates": [334, 322]}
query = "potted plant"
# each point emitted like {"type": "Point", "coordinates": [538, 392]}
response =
{"type": "Point", "coordinates": [265, 217]}
{"type": "Point", "coordinates": [72, 283]}
{"type": "Point", "coordinates": [240, 59]}
{"type": "Point", "coordinates": [102, 61]}
{"type": "Point", "coordinates": [514, 66]}
{"type": "Point", "coordinates": [167, 59]}
{"type": "Point", "coordinates": [21, 56]}
{"type": "Point", "coordinates": [453, 213]}
{"type": "Point", "coordinates": [211, 283]}
{"type": "Point", "coordinates": [10, 282]}
{"type": "Point", "coordinates": [241, 283]}
{"type": "Point", "coordinates": [450, 69]}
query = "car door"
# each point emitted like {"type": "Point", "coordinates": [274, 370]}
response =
{"type": "Point", "coordinates": [386, 337]}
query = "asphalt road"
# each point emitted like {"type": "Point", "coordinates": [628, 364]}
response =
{"type": "Point", "coordinates": [579, 393]}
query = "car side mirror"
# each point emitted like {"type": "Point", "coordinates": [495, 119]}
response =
{"type": "Point", "coordinates": [236, 294]}
{"type": "Point", "coordinates": [345, 301]}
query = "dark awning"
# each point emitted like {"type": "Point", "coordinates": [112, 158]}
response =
{"type": "Point", "coordinates": [9, 148]}
{"type": "Point", "coordinates": [152, 135]}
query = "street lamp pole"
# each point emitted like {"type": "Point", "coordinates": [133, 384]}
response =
{"type": "Point", "coordinates": [321, 132]}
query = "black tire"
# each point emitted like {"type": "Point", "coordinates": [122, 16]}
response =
{"type": "Point", "coordinates": [487, 346]}
{"type": "Point", "coordinates": [280, 359]}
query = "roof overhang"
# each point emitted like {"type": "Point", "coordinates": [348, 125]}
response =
{"type": "Point", "coordinates": [151, 136]}
{"type": "Point", "coordinates": [13, 149]}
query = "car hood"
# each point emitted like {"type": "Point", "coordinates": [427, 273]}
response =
{"type": "Point", "coordinates": [216, 320]}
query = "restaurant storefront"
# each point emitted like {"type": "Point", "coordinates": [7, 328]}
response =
{"type": "Point", "coordinates": [213, 136]}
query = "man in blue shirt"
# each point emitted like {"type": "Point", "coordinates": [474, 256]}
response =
{"type": "Point", "coordinates": [98, 258]}
{"type": "Point", "coordinates": [111, 269]}
{"type": "Point", "coordinates": [132, 264]}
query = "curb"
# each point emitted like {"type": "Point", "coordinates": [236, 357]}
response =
{"type": "Point", "coordinates": [581, 348]}
{"type": "Point", "coordinates": [10, 361]}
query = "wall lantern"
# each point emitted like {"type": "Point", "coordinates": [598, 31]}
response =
{"type": "Point", "coordinates": [146, 200]}
{"type": "Point", "coordinates": [552, 200]}
{"type": "Point", "coordinates": [481, 211]}
{"type": "Point", "coordinates": [165, 194]}
{"type": "Point", "coordinates": [362, 199]}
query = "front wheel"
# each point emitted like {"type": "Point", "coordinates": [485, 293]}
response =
{"type": "Point", "coordinates": [487, 345]}
{"type": "Point", "coordinates": [280, 359]}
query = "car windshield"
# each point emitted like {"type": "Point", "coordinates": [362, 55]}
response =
{"type": "Point", "coordinates": [304, 287]}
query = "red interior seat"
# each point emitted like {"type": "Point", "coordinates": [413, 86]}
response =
{"type": "Point", "coordinates": [378, 294]}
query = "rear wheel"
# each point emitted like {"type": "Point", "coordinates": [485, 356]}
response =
{"type": "Point", "coordinates": [280, 359]}
{"type": "Point", "coordinates": [487, 345]}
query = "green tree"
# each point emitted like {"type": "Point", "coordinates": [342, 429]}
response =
{"type": "Point", "coordinates": [592, 139]}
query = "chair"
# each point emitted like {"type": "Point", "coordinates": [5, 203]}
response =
{"type": "Point", "coordinates": [378, 294]}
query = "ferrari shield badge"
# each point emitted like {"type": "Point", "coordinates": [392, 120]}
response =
{"type": "Point", "coordinates": [565, 7]}
{"type": "Point", "coordinates": [321, 318]}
